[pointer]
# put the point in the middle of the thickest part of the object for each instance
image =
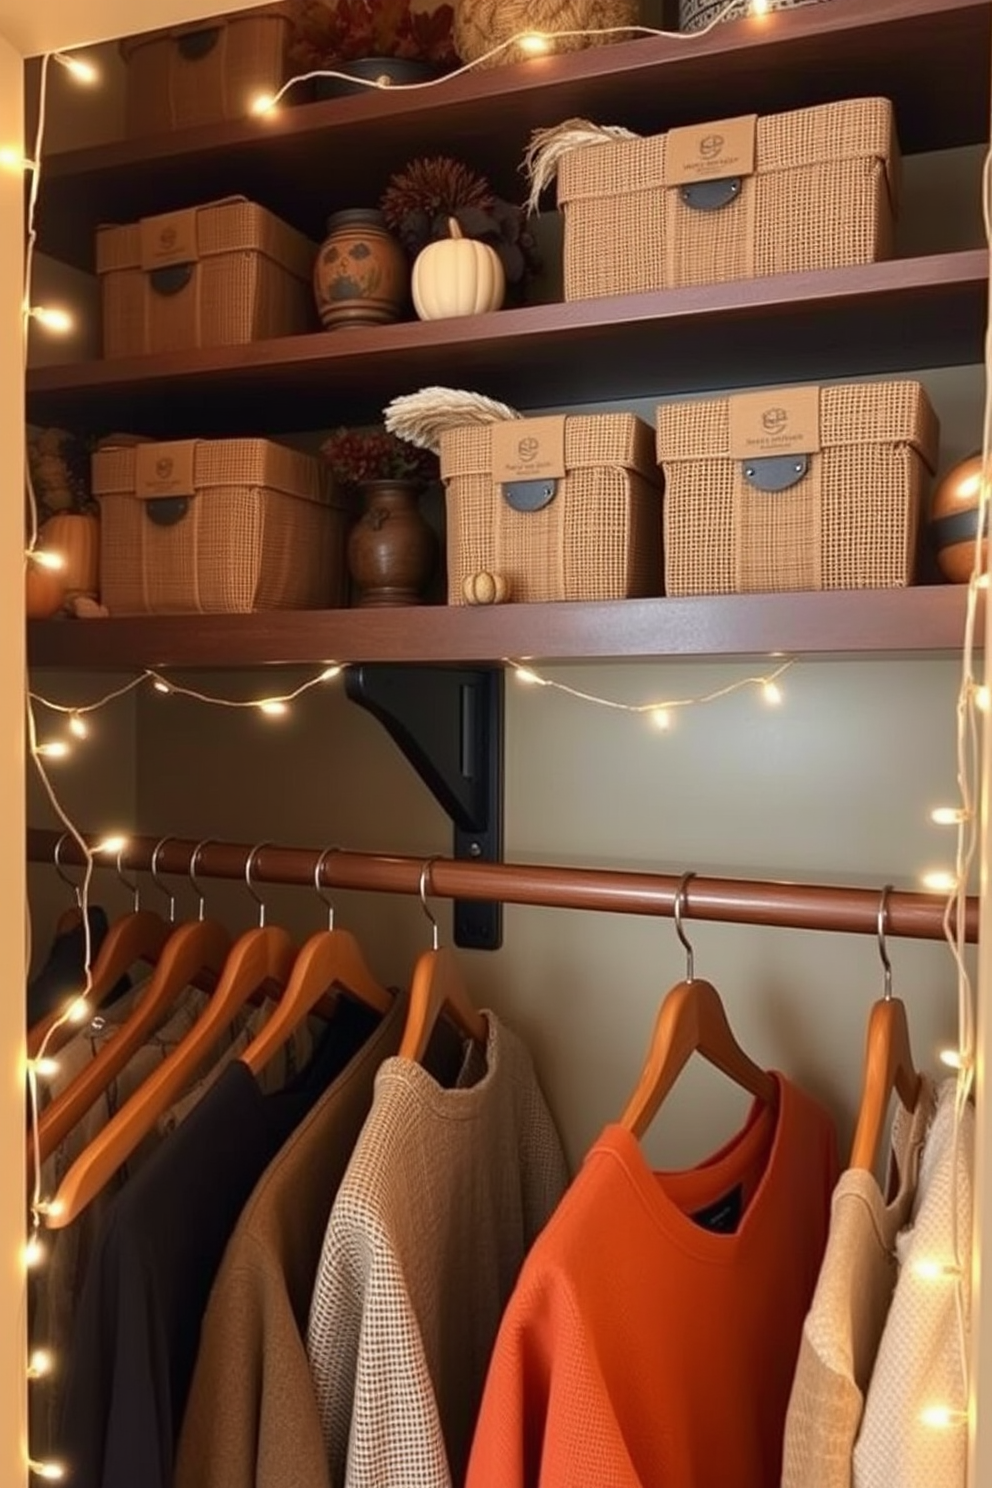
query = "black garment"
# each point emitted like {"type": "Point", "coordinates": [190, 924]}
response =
{"type": "Point", "coordinates": [138, 1325]}
{"type": "Point", "coordinates": [63, 971]}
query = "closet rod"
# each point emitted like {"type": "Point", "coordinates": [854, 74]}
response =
{"type": "Point", "coordinates": [734, 901]}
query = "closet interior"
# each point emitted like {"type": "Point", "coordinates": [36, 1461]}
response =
{"type": "Point", "coordinates": [457, 839]}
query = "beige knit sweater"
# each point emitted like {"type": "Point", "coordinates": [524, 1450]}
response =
{"type": "Point", "coordinates": [842, 1330]}
{"type": "Point", "coordinates": [444, 1194]}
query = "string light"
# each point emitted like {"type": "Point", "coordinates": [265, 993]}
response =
{"type": "Point", "coordinates": [79, 1010]}
{"type": "Point", "coordinates": [948, 816]}
{"type": "Point", "coordinates": [115, 843]}
{"type": "Point", "coordinates": [54, 749]}
{"type": "Point", "coordinates": [931, 1270]}
{"type": "Point", "coordinates": [940, 881]}
{"type": "Point", "coordinates": [45, 558]}
{"type": "Point", "coordinates": [952, 1059]}
{"type": "Point", "coordinates": [14, 160]}
{"type": "Point", "coordinates": [34, 1253]}
{"type": "Point", "coordinates": [78, 68]}
{"type": "Point", "coordinates": [660, 710]}
{"type": "Point", "coordinates": [41, 1364]}
{"type": "Point", "coordinates": [982, 699]}
{"type": "Point", "coordinates": [530, 42]}
{"type": "Point", "coordinates": [273, 707]}
{"type": "Point", "coordinates": [53, 318]}
{"type": "Point", "coordinates": [942, 1417]}
{"type": "Point", "coordinates": [78, 726]}
{"type": "Point", "coordinates": [54, 1472]}
{"type": "Point", "coordinates": [45, 1066]}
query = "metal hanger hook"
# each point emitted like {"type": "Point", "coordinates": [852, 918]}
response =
{"type": "Point", "coordinates": [249, 863]}
{"type": "Point", "coordinates": [169, 894]}
{"type": "Point", "coordinates": [680, 909]}
{"type": "Point", "coordinates": [883, 950]}
{"type": "Point", "coordinates": [318, 870]}
{"type": "Point", "coordinates": [191, 871]}
{"type": "Point", "coordinates": [74, 884]}
{"type": "Point", "coordinates": [424, 879]}
{"type": "Point", "coordinates": [131, 884]}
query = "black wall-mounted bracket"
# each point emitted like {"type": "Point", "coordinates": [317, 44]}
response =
{"type": "Point", "coordinates": [448, 721]}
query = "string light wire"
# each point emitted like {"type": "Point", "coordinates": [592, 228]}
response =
{"type": "Point", "coordinates": [768, 685]}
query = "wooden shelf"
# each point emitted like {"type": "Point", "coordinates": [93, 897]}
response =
{"type": "Point", "coordinates": [923, 621]}
{"type": "Point", "coordinates": [929, 56]}
{"type": "Point", "coordinates": [887, 317]}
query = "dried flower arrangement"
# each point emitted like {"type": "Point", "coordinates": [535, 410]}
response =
{"type": "Point", "coordinates": [370, 452]}
{"type": "Point", "coordinates": [330, 31]}
{"type": "Point", "coordinates": [419, 200]}
{"type": "Point", "coordinates": [59, 465]}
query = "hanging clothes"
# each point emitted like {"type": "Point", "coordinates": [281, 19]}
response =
{"type": "Point", "coordinates": [844, 1326]}
{"type": "Point", "coordinates": [919, 1362]}
{"type": "Point", "coordinates": [652, 1336]}
{"type": "Point", "coordinates": [444, 1194]}
{"type": "Point", "coordinates": [63, 973]}
{"type": "Point", "coordinates": [138, 1322]}
{"type": "Point", "coordinates": [258, 1423]}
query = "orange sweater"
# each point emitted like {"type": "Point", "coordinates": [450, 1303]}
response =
{"type": "Point", "coordinates": [643, 1349]}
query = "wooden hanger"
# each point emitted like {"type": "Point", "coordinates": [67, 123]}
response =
{"type": "Point", "coordinates": [199, 946]}
{"type": "Point", "coordinates": [437, 988]}
{"type": "Point", "coordinates": [692, 1020]}
{"type": "Point", "coordinates": [888, 1063]}
{"type": "Point", "coordinates": [263, 955]}
{"type": "Point", "coordinates": [331, 958]}
{"type": "Point", "coordinates": [138, 936]}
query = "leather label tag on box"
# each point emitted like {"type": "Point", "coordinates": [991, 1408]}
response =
{"type": "Point", "coordinates": [168, 239]}
{"type": "Point", "coordinates": [775, 421]}
{"type": "Point", "coordinates": [709, 152]}
{"type": "Point", "coordinates": [529, 449]}
{"type": "Point", "coordinates": [164, 469]}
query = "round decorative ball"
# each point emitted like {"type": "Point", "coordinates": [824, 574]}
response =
{"type": "Point", "coordinates": [485, 589]}
{"type": "Point", "coordinates": [954, 519]}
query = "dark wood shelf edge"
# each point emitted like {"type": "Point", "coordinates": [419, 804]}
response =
{"type": "Point", "coordinates": [928, 620]}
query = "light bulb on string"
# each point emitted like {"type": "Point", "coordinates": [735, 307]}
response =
{"type": "Point", "coordinates": [273, 707]}
{"type": "Point", "coordinates": [929, 1269]}
{"type": "Point", "coordinates": [524, 674]}
{"type": "Point", "coordinates": [329, 673]}
{"type": "Point", "coordinates": [952, 1059]}
{"type": "Point", "coordinates": [45, 1066]}
{"type": "Point", "coordinates": [78, 726]}
{"type": "Point", "coordinates": [161, 686]}
{"type": "Point", "coordinates": [948, 816]}
{"type": "Point", "coordinates": [14, 160]}
{"type": "Point", "coordinates": [759, 7]}
{"type": "Point", "coordinates": [45, 558]}
{"type": "Point", "coordinates": [772, 693]}
{"type": "Point", "coordinates": [77, 67]}
{"type": "Point", "coordinates": [53, 317]}
{"type": "Point", "coordinates": [115, 843]}
{"type": "Point", "coordinates": [661, 718]}
{"type": "Point", "coordinates": [34, 1253]}
{"type": "Point", "coordinates": [52, 1472]}
{"type": "Point", "coordinates": [53, 749]}
{"type": "Point", "coordinates": [263, 103]}
{"type": "Point", "coordinates": [41, 1364]}
{"type": "Point", "coordinates": [78, 1011]}
{"type": "Point", "coordinates": [982, 699]}
{"type": "Point", "coordinates": [942, 1417]}
{"type": "Point", "coordinates": [939, 881]}
{"type": "Point", "coordinates": [535, 43]}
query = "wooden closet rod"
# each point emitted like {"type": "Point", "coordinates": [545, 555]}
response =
{"type": "Point", "coordinates": [734, 901]}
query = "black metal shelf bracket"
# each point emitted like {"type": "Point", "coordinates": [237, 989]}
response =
{"type": "Point", "coordinates": [448, 722]}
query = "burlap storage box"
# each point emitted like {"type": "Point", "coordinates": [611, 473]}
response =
{"type": "Point", "coordinates": [565, 507]}
{"type": "Point", "coordinates": [216, 526]}
{"type": "Point", "coordinates": [814, 188]}
{"type": "Point", "coordinates": [795, 488]}
{"type": "Point", "coordinates": [204, 71]}
{"type": "Point", "coordinates": [220, 274]}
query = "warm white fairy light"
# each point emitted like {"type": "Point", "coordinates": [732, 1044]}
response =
{"type": "Point", "coordinates": [46, 1067]}
{"type": "Point", "coordinates": [952, 1059]}
{"type": "Point", "coordinates": [930, 1269]}
{"type": "Point", "coordinates": [982, 699]}
{"type": "Point", "coordinates": [530, 42]}
{"type": "Point", "coordinates": [54, 749]}
{"type": "Point", "coordinates": [660, 710]}
{"type": "Point", "coordinates": [948, 816]}
{"type": "Point", "coordinates": [77, 67]}
{"type": "Point", "coordinates": [53, 1472]}
{"type": "Point", "coordinates": [45, 558]}
{"type": "Point", "coordinates": [53, 318]}
{"type": "Point", "coordinates": [41, 1364]}
{"type": "Point", "coordinates": [273, 707]}
{"type": "Point", "coordinates": [34, 1253]}
{"type": "Point", "coordinates": [115, 843]}
{"type": "Point", "coordinates": [939, 881]}
{"type": "Point", "coordinates": [79, 1010]}
{"type": "Point", "coordinates": [942, 1417]}
{"type": "Point", "coordinates": [161, 686]}
{"type": "Point", "coordinates": [78, 726]}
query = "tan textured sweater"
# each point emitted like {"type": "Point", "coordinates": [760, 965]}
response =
{"type": "Point", "coordinates": [251, 1419]}
{"type": "Point", "coordinates": [842, 1331]}
{"type": "Point", "coordinates": [444, 1194]}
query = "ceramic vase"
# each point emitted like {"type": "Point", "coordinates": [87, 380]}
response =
{"type": "Point", "coordinates": [361, 276]}
{"type": "Point", "coordinates": [391, 548]}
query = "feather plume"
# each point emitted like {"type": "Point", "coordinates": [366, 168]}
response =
{"type": "Point", "coordinates": [548, 146]}
{"type": "Point", "coordinates": [421, 418]}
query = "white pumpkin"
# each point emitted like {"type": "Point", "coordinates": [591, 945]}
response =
{"type": "Point", "coordinates": [457, 276]}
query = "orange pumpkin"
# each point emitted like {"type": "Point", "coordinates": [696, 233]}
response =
{"type": "Point", "coordinates": [44, 591]}
{"type": "Point", "coordinates": [76, 536]}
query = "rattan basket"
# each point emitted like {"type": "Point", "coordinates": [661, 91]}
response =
{"type": "Point", "coordinates": [221, 274]}
{"type": "Point", "coordinates": [592, 533]}
{"type": "Point", "coordinates": [795, 488]}
{"type": "Point", "coordinates": [217, 526]}
{"type": "Point", "coordinates": [809, 189]}
{"type": "Point", "coordinates": [205, 71]}
{"type": "Point", "coordinates": [480, 25]}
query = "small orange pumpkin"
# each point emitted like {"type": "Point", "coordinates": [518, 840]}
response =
{"type": "Point", "coordinates": [76, 536]}
{"type": "Point", "coordinates": [485, 588]}
{"type": "Point", "coordinates": [44, 591]}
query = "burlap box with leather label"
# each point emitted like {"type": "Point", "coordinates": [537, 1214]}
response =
{"type": "Point", "coordinates": [814, 188]}
{"type": "Point", "coordinates": [221, 274]}
{"type": "Point", "coordinates": [795, 488]}
{"type": "Point", "coordinates": [566, 507]}
{"type": "Point", "coordinates": [200, 526]}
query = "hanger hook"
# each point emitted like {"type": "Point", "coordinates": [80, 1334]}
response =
{"type": "Point", "coordinates": [169, 894]}
{"type": "Point", "coordinates": [681, 904]}
{"type": "Point", "coordinates": [318, 870]}
{"type": "Point", "coordinates": [424, 878]}
{"type": "Point", "coordinates": [883, 915]}
{"type": "Point", "coordinates": [249, 864]}
{"type": "Point", "coordinates": [72, 883]}
{"type": "Point", "coordinates": [191, 870]}
{"type": "Point", "coordinates": [131, 884]}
